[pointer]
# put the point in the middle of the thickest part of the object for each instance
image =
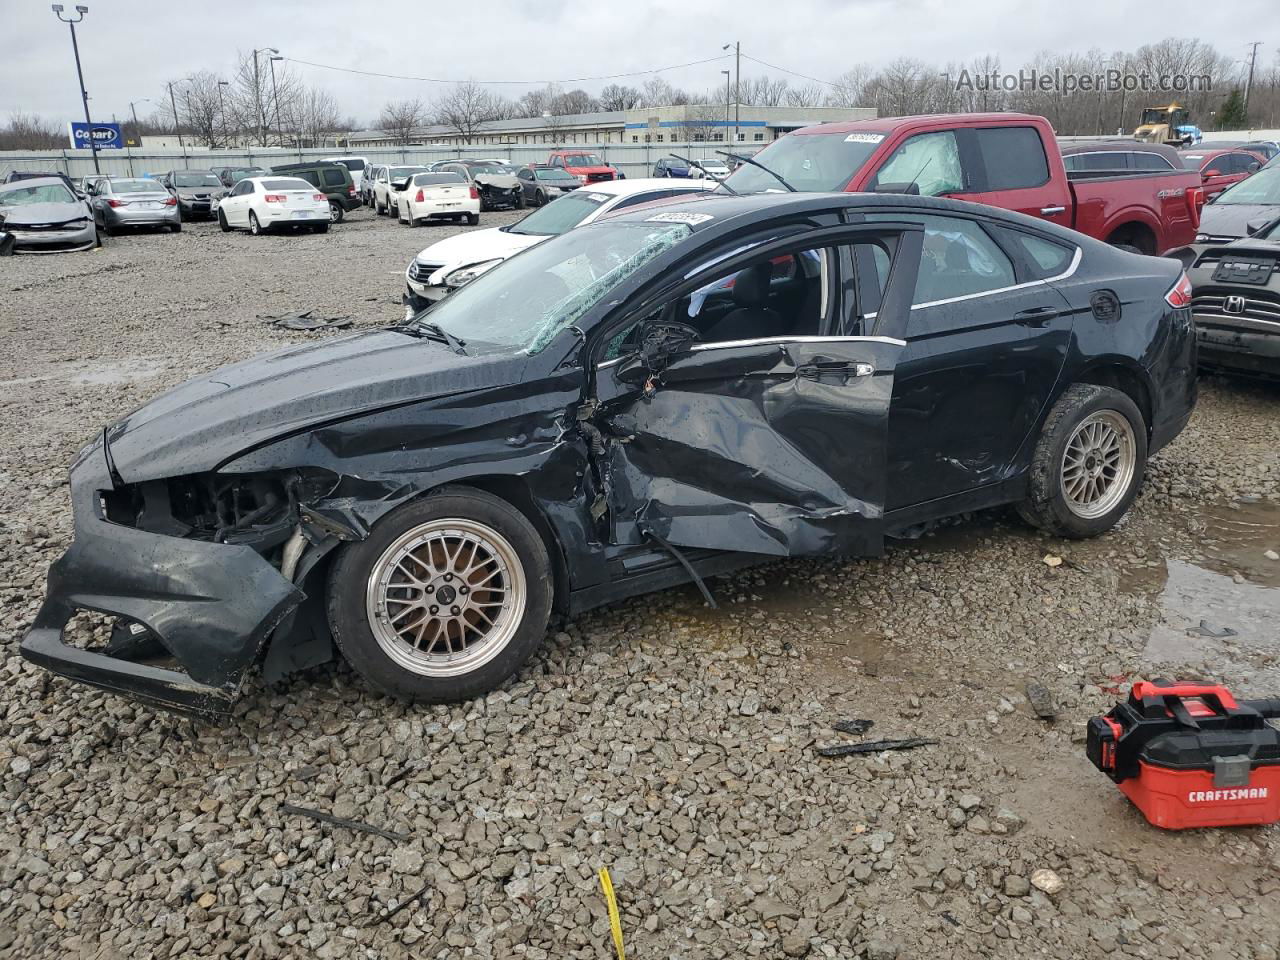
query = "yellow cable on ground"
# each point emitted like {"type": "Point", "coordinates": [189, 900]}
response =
{"type": "Point", "coordinates": [615, 923]}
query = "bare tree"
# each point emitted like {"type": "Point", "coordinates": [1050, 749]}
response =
{"type": "Point", "coordinates": [467, 109]}
{"type": "Point", "coordinates": [200, 109]}
{"type": "Point", "coordinates": [658, 93]}
{"type": "Point", "coordinates": [762, 91]}
{"type": "Point", "coordinates": [256, 105]}
{"type": "Point", "coordinates": [619, 97]}
{"type": "Point", "coordinates": [534, 103]}
{"type": "Point", "coordinates": [575, 101]}
{"type": "Point", "coordinates": [807, 96]}
{"type": "Point", "coordinates": [400, 118]}
{"type": "Point", "coordinates": [315, 116]}
{"type": "Point", "coordinates": [29, 131]}
{"type": "Point", "coordinates": [850, 88]}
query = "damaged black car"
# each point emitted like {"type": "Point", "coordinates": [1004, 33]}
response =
{"type": "Point", "coordinates": [653, 399]}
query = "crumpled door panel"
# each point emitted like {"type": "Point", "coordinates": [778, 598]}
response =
{"type": "Point", "coordinates": [775, 448]}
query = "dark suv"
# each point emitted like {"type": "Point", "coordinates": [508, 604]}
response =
{"type": "Point", "coordinates": [331, 179]}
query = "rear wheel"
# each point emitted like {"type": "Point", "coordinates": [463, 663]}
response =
{"type": "Point", "coordinates": [336, 213]}
{"type": "Point", "coordinates": [254, 228]}
{"type": "Point", "coordinates": [446, 598]}
{"type": "Point", "coordinates": [222, 222]}
{"type": "Point", "coordinates": [473, 218]}
{"type": "Point", "coordinates": [1088, 464]}
{"type": "Point", "coordinates": [177, 227]}
{"type": "Point", "coordinates": [320, 228]}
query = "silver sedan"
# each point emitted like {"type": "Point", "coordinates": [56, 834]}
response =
{"type": "Point", "coordinates": [129, 202]}
{"type": "Point", "coordinates": [44, 216]}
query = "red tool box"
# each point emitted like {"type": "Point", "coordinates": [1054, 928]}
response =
{"type": "Point", "coordinates": [1190, 755]}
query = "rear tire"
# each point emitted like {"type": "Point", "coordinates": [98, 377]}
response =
{"type": "Point", "coordinates": [1088, 463]}
{"type": "Point", "coordinates": [320, 228]}
{"type": "Point", "coordinates": [254, 227]}
{"type": "Point", "coordinates": [473, 219]}
{"type": "Point", "coordinates": [336, 213]}
{"type": "Point", "coordinates": [460, 568]}
{"type": "Point", "coordinates": [175, 228]}
{"type": "Point", "coordinates": [222, 222]}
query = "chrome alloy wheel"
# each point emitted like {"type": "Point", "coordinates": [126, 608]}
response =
{"type": "Point", "coordinates": [1098, 464]}
{"type": "Point", "coordinates": [446, 597]}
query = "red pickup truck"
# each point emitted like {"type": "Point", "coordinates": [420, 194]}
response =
{"type": "Point", "coordinates": [583, 164]}
{"type": "Point", "coordinates": [1006, 160]}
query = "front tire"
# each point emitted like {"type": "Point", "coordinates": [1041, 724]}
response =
{"type": "Point", "coordinates": [446, 598]}
{"type": "Point", "coordinates": [1088, 464]}
{"type": "Point", "coordinates": [222, 223]}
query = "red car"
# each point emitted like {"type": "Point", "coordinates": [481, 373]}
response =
{"type": "Point", "coordinates": [1002, 159]}
{"type": "Point", "coordinates": [1221, 168]}
{"type": "Point", "coordinates": [583, 164]}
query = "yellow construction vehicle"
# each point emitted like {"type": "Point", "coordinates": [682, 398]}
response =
{"type": "Point", "coordinates": [1160, 124]}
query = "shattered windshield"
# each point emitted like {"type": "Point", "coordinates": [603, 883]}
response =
{"type": "Point", "coordinates": [522, 304]}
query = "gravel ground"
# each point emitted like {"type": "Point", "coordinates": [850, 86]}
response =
{"type": "Point", "coordinates": [669, 741]}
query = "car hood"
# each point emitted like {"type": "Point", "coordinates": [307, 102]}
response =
{"type": "Point", "coordinates": [29, 213]}
{"type": "Point", "coordinates": [201, 424]}
{"type": "Point", "coordinates": [1233, 219]}
{"type": "Point", "coordinates": [477, 246]}
{"type": "Point", "coordinates": [504, 181]}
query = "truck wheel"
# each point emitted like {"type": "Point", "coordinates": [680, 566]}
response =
{"type": "Point", "coordinates": [445, 600]}
{"type": "Point", "coordinates": [1126, 247]}
{"type": "Point", "coordinates": [1088, 463]}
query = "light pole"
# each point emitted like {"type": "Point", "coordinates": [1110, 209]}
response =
{"type": "Point", "coordinates": [84, 94]}
{"type": "Point", "coordinates": [260, 114]}
{"type": "Point", "coordinates": [173, 105]}
{"type": "Point", "coordinates": [737, 85]}
{"type": "Point", "coordinates": [134, 112]}
{"type": "Point", "coordinates": [222, 109]}
{"type": "Point", "coordinates": [275, 92]}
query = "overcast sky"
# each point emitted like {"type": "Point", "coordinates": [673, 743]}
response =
{"type": "Point", "coordinates": [129, 48]}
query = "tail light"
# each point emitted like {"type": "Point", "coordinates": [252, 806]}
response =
{"type": "Point", "coordinates": [1180, 294]}
{"type": "Point", "coordinates": [171, 202]}
{"type": "Point", "coordinates": [351, 190]}
{"type": "Point", "coordinates": [1195, 205]}
{"type": "Point", "coordinates": [419, 198]}
{"type": "Point", "coordinates": [275, 198]}
{"type": "Point", "coordinates": [120, 203]}
{"type": "Point", "coordinates": [475, 194]}
{"type": "Point", "coordinates": [318, 196]}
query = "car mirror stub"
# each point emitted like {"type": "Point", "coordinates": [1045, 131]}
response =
{"type": "Point", "coordinates": [660, 340]}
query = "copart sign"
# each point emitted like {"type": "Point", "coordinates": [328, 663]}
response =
{"type": "Point", "coordinates": [104, 136]}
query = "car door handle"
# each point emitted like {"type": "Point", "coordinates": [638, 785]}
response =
{"type": "Point", "coordinates": [1052, 211]}
{"type": "Point", "coordinates": [847, 368]}
{"type": "Point", "coordinates": [1036, 316]}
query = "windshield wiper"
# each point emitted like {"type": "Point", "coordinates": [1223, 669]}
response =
{"type": "Point", "coordinates": [695, 163]}
{"type": "Point", "coordinates": [437, 332]}
{"type": "Point", "coordinates": [757, 163]}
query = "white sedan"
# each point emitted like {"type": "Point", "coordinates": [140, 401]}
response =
{"type": "Point", "coordinates": [710, 168]}
{"type": "Point", "coordinates": [444, 266]}
{"type": "Point", "coordinates": [264, 203]}
{"type": "Point", "coordinates": [430, 195]}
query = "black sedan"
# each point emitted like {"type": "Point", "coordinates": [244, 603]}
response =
{"type": "Point", "coordinates": [1236, 304]}
{"type": "Point", "coordinates": [682, 389]}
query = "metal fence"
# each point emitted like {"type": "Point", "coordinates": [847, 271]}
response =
{"type": "Point", "coordinates": [632, 159]}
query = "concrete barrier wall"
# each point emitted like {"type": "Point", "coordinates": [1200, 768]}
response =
{"type": "Point", "coordinates": [634, 160]}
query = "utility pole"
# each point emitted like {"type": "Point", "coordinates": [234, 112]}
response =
{"type": "Point", "coordinates": [173, 105]}
{"type": "Point", "coordinates": [260, 113]}
{"type": "Point", "coordinates": [84, 94]}
{"type": "Point", "coordinates": [222, 109]}
{"type": "Point", "coordinates": [726, 100]}
{"type": "Point", "coordinates": [275, 92]}
{"type": "Point", "coordinates": [134, 111]}
{"type": "Point", "coordinates": [1248, 84]}
{"type": "Point", "coordinates": [737, 86]}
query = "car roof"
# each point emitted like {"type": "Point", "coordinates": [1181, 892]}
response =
{"type": "Point", "coordinates": [622, 188]}
{"type": "Point", "coordinates": [891, 124]}
{"type": "Point", "coordinates": [720, 207]}
{"type": "Point", "coordinates": [31, 182]}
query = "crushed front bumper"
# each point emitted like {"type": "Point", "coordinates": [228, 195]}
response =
{"type": "Point", "coordinates": [210, 605]}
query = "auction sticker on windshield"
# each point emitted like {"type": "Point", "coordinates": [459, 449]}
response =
{"type": "Point", "coordinates": [599, 197]}
{"type": "Point", "coordinates": [864, 138]}
{"type": "Point", "coordinates": [689, 219]}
